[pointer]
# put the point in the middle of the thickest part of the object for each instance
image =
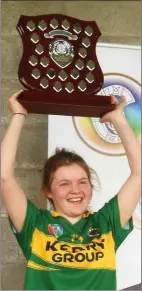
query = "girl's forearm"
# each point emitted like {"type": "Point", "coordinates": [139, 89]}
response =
{"type": "Point", "coordinates": [9, 146]}
{"type": "Point", "coordinates": [130, 143]}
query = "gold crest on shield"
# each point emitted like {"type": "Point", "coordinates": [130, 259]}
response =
{"type": "Point", "coordinates": [61, 52]}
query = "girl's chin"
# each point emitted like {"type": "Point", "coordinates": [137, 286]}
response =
{"type": "Point", "coordinates": [72, 209]}
{"type": "Point", "coordinates": [77, 212]}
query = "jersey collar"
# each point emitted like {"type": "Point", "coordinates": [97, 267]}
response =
{"type": "Point", "coordinates": [84, 215]}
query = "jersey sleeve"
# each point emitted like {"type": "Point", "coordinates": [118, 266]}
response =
{"type": "Point", "coordinates": [111, 212]}
{"type": "Point", "coordinates": [24, 237]}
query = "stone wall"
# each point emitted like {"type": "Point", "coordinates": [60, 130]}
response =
{"type": "Point", "coordinates": [119, 22]}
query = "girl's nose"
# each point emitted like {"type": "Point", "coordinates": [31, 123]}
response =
{"type": "Point", "coordinates": [75, 189]}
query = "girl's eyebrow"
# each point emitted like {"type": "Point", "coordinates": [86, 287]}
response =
{"type": "Point", "coordinates": [66, 180]}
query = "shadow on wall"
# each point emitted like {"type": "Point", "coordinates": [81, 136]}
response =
{"type": "Point", "coordinates": [135, 287]}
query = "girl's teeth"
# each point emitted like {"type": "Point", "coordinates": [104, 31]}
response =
{"type": "Point", "coordinates": [75, 200]}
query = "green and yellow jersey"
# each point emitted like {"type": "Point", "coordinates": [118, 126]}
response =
{"type": "Point", "coordinates": [65, 256]}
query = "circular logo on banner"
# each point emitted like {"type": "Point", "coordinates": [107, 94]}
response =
{"type": "Point", "coordinates": [102, 137]}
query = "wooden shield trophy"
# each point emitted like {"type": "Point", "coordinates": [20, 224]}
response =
{"type": "Point", "coordinates": [59, 66]}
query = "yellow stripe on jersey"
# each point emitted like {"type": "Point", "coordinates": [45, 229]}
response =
{"type": "Point", "coordinates": [98, 254]}
{"type": "Point", "coordinates": [39, 267]}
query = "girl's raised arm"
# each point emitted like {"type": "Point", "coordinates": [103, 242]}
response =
{"type": "Point", "coordinates": [13, 197]}
{"type": "Point", "coordinates": [130, 193]}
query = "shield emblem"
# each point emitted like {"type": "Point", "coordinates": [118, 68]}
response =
{"type": "Point", "coordinates": [61, 52]}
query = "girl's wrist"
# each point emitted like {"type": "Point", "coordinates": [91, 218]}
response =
{"type": "Point", "coordinates": [119, 120]}
{"type": "Point", "coordinates": [118, 117]}
{"type": "Point", "coordinates": [20, 113]}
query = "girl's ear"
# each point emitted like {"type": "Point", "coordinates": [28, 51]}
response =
{"type": "Point", "coordinates": [47, 193]}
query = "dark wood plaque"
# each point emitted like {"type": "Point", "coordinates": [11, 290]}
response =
{"type": "Point", "coordinates": [59, 66]}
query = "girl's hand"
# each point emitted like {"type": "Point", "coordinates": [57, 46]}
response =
{"type": "Point", "coordinates": [117, 112]}
{"type": "Point", "coordinates": [14, 106]}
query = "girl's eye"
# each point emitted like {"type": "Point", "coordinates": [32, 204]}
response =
{"type": "Point", "coordinates": [83, 182]}
{"type": "Point", "coordinates": [64, 184]}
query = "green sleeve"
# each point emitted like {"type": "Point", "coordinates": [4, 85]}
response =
{"type": "Point", "coordinates": [24, 237]}
{"type": "Point", "coordinates": [111, 211]}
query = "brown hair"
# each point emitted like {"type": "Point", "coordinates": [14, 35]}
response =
{"type": "Point", "coordinates": [62, 158]}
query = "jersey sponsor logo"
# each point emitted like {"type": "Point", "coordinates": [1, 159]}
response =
{"type": "Point", "coordinates": [96, 254]}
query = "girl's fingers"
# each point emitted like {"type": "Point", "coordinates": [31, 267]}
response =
{"type": "Point", "coordinates": [123, 99]}
{"type": "Point", "coordinates": [15, 95]}
{"type": "Point", "coordinates": [114, 100]}
{"type": "Point", "coordinates": [119, 104]}
{"type": "Point", "coordinates": [123, 103]}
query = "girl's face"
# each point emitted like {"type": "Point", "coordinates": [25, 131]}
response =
{"type": "Point", "coordinates": [71, 192]}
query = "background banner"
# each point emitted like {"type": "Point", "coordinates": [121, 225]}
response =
{"type": "Point", "coordinates": [102, 149]}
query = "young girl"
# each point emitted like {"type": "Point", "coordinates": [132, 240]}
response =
{"type": "Point", "coordinates": [70, 248]}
